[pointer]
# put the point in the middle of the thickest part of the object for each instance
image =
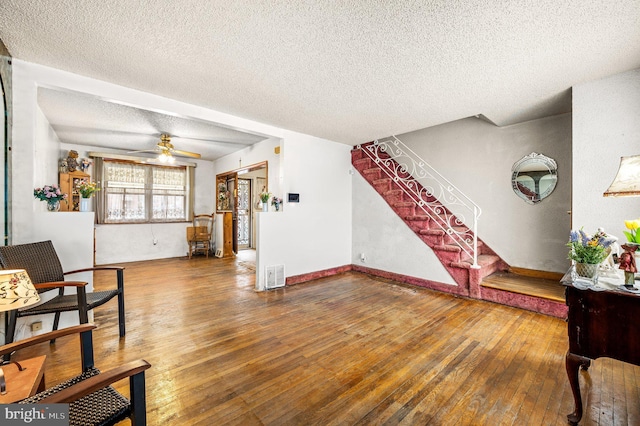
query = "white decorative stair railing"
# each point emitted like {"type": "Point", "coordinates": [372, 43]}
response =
{"type": "Point", "coordinates": [448, 207]}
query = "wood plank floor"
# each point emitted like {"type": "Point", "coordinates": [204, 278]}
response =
{"type": "Point", "coordinates": [344, 350]}
{"type": "Point", "coordinates": [539, 287]}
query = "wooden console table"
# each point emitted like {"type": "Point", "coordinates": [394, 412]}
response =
{"type": "Point", "coordinates": [601, 324]}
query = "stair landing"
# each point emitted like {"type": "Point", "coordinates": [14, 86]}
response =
{"type": "Point", "coordinates": [530, 286]}
{"type": "Point", "coordinates": [543, 295]}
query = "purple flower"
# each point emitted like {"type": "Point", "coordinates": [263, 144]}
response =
{"type": "Point", "coordinates": [573, 236]}
{"type": "Point", "coordinates": [584, 237]}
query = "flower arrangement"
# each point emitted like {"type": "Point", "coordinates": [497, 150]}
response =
{"type": "Point", "coordinates": [87, 188]}
{"type": "Point", "coordinates": [275, 201]}
{"type": "Point", "coordinates": [264, 196]}
{"type": "Point", "coordinates": [585, 248]}
{"type": "Point", "coordinates": [633, 233]}
{"type": "Point", "coordinates": [222, 192]}
{"type": "Point", "coordinates": [50, 194]}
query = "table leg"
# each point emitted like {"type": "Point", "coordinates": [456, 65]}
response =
{"type": "Point", "coordinates": [573, 363]}
{"type": "Point", "coordinates": [41, 385]}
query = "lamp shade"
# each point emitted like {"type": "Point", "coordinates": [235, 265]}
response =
{"type": "Point", "coordinates": [627, 180]}
{"type": "Point", "coordinates": [16, 290]}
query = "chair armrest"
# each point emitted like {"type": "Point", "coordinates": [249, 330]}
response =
{"type": "Point", "coordinates": [96, 268]}
{"type": "Point", "coordinates": [92, 384]}
{"type": "Point", "coordinates": [119, 274]}
{"type": "Point", "coordinates": [57, 284]}
{"type": "Point", "coordinates": [21, 344]}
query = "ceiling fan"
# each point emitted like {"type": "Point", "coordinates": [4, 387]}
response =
{"type": "Point", "coordinates": [167, 151]}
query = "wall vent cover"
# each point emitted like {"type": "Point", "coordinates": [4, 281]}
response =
{"type": "Point", "coordinates": [274, 276]}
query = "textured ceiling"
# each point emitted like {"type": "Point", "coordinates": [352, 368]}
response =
{"type": "Point", "coordinates": [348, 71]}
{"type": "Point", "coordinates": [84, 120]}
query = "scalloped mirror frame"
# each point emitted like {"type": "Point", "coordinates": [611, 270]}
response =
{"type": "Point", "coordinates": [534, 177]}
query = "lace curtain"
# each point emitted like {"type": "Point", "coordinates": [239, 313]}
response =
{"type": "Point", "coordinates": [143, 193]}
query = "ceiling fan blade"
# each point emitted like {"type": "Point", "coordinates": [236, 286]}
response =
{"type": "Point", "coordinates": [186, 153]}
{"type": "Point", "coordinates": [142, 150]}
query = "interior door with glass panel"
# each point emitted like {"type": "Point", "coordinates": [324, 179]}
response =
{"type": "Point", "coordinates": [244, 213]}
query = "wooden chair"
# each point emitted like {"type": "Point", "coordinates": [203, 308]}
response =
{"type": "Point", "coordinates": [45, 270]}
{"type": "Point", "coordinates": [199, 235]}
{"type": "Point", "coordinates": [91, 398]}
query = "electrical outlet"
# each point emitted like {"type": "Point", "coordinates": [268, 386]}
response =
{"type": "Point", "coordinates": [36, 326]}
{"type": "Point", "coordinates": [155, 241]}
{"type": "Point", "coordinates": [363, 258]}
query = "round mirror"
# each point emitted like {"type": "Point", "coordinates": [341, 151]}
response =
{"type": "Point", "coordinates": [534, 177]}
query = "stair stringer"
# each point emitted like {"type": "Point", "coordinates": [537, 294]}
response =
{"type": "Point", "coordinates": [457, 263]}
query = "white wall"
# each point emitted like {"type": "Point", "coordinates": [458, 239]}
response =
{"type": "Point", "coordinates": [606, 126]}
{"type": "Point", "coordinates": [47, 147]}
{"type": "Point", "coordinates": [314, 234]}
{"type": "Point", "coordinates": [35, 164]}
{"type": "Point", "coordinates": [386, 241]}
{"type": "Point", "coordinates": [477, 157]}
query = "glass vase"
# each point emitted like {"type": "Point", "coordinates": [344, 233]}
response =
{"type": "Point", "coordinates": [53, 205]}
{"type": "Point", "coordinates": [587, 270]}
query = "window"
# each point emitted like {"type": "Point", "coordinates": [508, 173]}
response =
{"type": "Point", "coordinates": [139, 193]}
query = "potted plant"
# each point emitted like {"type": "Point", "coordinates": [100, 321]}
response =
{"type": "Point", "coordinates": [87, 189]}
{"type": "Point", "coordinates": [52, 195]}
{"type": "Point", "coordinates": [276, 201]}
{"type": "Point", "coordinates": [633, 234]}
{"type": "Point", "coordinates": [628, 261]}
{"type": "Point", "coordinates": [264, 197]}
{"type": "Point", "coordinates": [588, 251]}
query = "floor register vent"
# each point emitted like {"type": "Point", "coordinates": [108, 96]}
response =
{"type": "Point", "coordinates": [274, 276]}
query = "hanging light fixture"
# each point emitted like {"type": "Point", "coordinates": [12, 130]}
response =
{"type": "Point", "coordinates": [166, 156]}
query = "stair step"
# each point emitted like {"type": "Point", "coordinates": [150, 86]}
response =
{"type": "Point", "coordinates": [434, 232]}
{"type": "Point", "coordinates": [417, 217]}
{"type": "Point", "coordinates": [394, 195]}
{"type": "Point", "coordinates": [404, 208]}
{"type": "Point", "coordinates": [536, 287]}
{"type": "Point", "coordinates": [484, 260]}
{"type": "Point", "coordinates": [356, 154]}
{"type": "Point", "coordinates": [362, 163]}
{"type": "Point", "coordinates": [382, 185]}
{"type": "Point", "coordinates": [372, 174]}
{"type": "Point", "coordinates": [448, 247]}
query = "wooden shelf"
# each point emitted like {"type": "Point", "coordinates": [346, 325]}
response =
{"type": "Point", "coordinates": [68, 185]}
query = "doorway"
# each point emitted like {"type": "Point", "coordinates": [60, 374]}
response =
{"type": "Point", "coordinates": [236, 193]}
{"type": "Point", "coordinates": [244, 214]}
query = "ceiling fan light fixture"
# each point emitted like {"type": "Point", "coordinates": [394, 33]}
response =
{"type": "Point", "coordinates": [166, 157]}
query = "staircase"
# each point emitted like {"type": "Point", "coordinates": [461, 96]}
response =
{"type": "Point", "coordinates": [406, 184]}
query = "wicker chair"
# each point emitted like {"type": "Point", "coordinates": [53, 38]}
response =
{"type": "Point", "coordinates": [43, 266]}
{"type": "Point", "coordinates": [91, 398]}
